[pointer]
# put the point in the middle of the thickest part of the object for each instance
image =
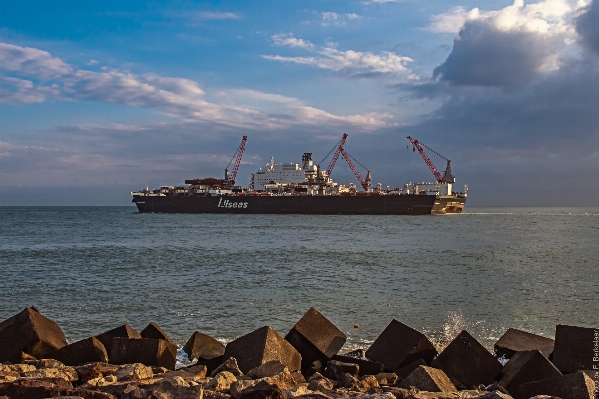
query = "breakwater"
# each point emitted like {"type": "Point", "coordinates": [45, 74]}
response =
{"type": "Point", "coordinates": [401, 363]}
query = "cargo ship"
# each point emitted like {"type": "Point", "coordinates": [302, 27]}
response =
{"type": "Point", "coordinates": [291, 188]}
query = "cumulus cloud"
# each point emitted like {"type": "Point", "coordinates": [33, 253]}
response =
{"type": "Point", "coordinates": [349, 61]}
{"type": "Point", "coordinates": [506, 47]}
{"type": "Point", "coordinates": [330, 18]}
{"type": "Point", "coordinates": [179, 98]}
{"type": "Point", "coordinates": [287, 39]}
{"type": "Point", "coordinates": [587, 26]}
{"type": "Point", "coordinates": [217, 15]}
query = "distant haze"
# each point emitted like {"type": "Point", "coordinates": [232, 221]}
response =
{"type": "Point", "coordinates": [98, 99]}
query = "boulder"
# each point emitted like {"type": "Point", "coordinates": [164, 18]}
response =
{"type": "Point", "coordinates": [569, 386]}
{"type": "Point", "coordinates": [262, 346]}
{"type": "Point", "coordinates": [65, 373]}
{"type": "Point", "coordinates": [132, 372]}
{"type": "Point", "coordinates": [573, 348]}
{"type": "Point", "coordinates": [151, 352]}
{"type": "Point", "coordinates": [95, 370]}
{"type": "Point", "coordinates": [315, 338]}
{"type": "Point", "coordinates": [81, 352]}
{"type": "Point", "coordinates": [229, 365]}
{"type": "Point", "coordinates": [124, 331]}
{"type": "Point", "coordinates": [399, 345]}
{"type": "Point", "coordinates": [155, 332]}
{"type": "Point", "coordinates": [387, 378]}
{"type": "Point", "coordinates": [406, 370]}
{"type": "Point", "coordinates": [165, 389]}
{"type": "Point", "coordinates": [513, 341]}
{"type": "Point", "coordinates": [525, 367]}
{"type": "Point", "coordinates": [335, 369]}
{"type": "Point", "coordinates": [202, 346]}
{"type": "Point", "coordinates": [211, 364]}
{"type": "Point", "coordinates": [494, 395]}
{"type": "Point", "coordinates": [33, 389]}
{"type": "Point", "coordinates": [29, 332]}
{"type": "Point", "coordinates": [367, 367]}
{"type": "Point", "coordinates": [428, 379]}
{"type": "Point", "coordinates": [221, 382]}
{"type": "Point", "coordinates": [263, 390]}
{"type": "Point", "coordinates": [269, 369]}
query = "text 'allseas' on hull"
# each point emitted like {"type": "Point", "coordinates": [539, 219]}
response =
{"type": "Point", "coordinates": [313, 205]}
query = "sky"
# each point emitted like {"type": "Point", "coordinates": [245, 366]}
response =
{"type": "Point", "coordinates": [100, 98]}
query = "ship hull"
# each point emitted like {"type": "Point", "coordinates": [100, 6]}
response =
{"type": "Point", "coordinates": [307, 205]}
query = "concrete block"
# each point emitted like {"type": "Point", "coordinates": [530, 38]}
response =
{"type": "Point", "coordinates": [262, 346]}
{"type": "Point", "coordinates": [399, 345]}
{"type": "Point", "coordinates": [467, 361]}
{"type": "Point", "coordinates": [88, 350]}
{"type": "Point", "coordinates": [428, 379]}
{"type": "Point", "coordinates": [149, 352]}
{"type": "Point", "coordinates": [315, 338]}
{"type": "Point", "coordinates": [29, 332]}
{"type": "Point", "coordinates": [570, 386]}
{"type": "Point", "coordinates": [124, 331]}
{"type": "Point", "coordinates": [513, 341]}
{"type": "Point", "coordinates": [406, 370]}
{"type": "Point", "coordinates": [367, 367]}
{"type": "Point", "coordinates": [336, 368]}
{"type": "Point", "coordinates": [155, 332]}
{"type": "Point", "coordinates": [202, 346]}
{"type": "Point", "coordinates": [573, 348]}
{"type": "Point", "coordinates": [525, 367]}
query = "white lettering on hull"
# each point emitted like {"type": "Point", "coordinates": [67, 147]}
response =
{"type": "Point", "coordinates": [230, 204]}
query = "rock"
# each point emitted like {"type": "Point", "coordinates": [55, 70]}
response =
{"type": "Point", "coordinates": [494, 395]}
{"type": "Point", "coordinates": [406, 370]}
{"type": "Point", "coordinates": [42, 363]}
{"type": "Point", "coordinates": [387, 378]}
{"type": "Point", "coordinates": [315, 338]}
{"type": "Point", "coordinates": [367, 367]}
{"type": "Point", "coordinates": [151, 352]}
{"type": "Point", "coordinates": [229, 365]}
{"type": "Point", "coordinates": [262, 346]}
{"type": "Point", "coordinates": [221, 382]}
{"type": "Point", "coordinates": [198, 370]}
{"type": "Point", "coordinates": [322, 385]}
{"type": "Point", "coordinates": [65, 373]}
{"type": "Point", "coordinates": [428, 379]}
{"type": "Point", "coordinates": [268, 369]}
{"type": "Point", "coordinates": [525, 367]}
{"type": "Point", "coordinates": [297, 391]}
{"type": "Point", "coordinates": [399, 345]}
{"type": "Point", "coordinates": [29, 332]}
{"type": "Point", "coordinates": [154, 332]}
{"type": "Point", "coordinates": [202, 346]}
{"type": "Point", "coordinates": [99, 382]}
{"type": "Point", "coordinates": [335, 369]}
{"type": "Point", "coordinates": [33, 389]}
{"type": "Point", "coordinates": [85, 351]}
{"type": "Point", "coordinates": [467, 361]}
{"type": "Point", "coordinates": [573, 348]}
{"type": "Point", "coordinates": [95, 370]}
{"type": "Point", "coordinates": [159, 370]}
{"type": "Point", "coordinates": [18, 368]}
{"type": "Point", "coordinates": [263, 390]}
{"type": "Point", "coordinates": [513, 341]}
{"type": "Point", "coordinates": [211, 364]}
{"type": "Point", "coordinates": [544, 397]}
{"type": "Point", "coordinates": [166, 389]}
{"type": "Point", "coordinates": [132, 372]}
{"type": "Point", "coordinates": [366, 384]}
{"type": "Point", "coordinates": [124, 331]}
{"type": "Point", "coordinates": [569, 386]}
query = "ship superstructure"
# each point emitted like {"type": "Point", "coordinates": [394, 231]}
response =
{"type": "Point", "coordinates": [288, 188]}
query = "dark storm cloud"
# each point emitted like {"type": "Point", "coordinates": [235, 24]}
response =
{"type": "Point", "coordinates": [587, 26]}
{"type": "Point", "coordinates": [485, 56]}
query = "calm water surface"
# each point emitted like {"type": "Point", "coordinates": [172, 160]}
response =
{"type": "Point", "coordinates": [91, 269]}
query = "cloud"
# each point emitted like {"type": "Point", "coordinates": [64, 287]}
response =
{"type": "Point", "coordinates": [587, 26]}
{"type": "Point", "coordinates": [32, 62]}
{"type": "Point", "coordinates": [287, 39]}
{"type": "Point", "coordinates": [217, 15]}
{"type": "Point", "coordinates": [334, 19]}
{"type": "Point", "coordinates": [506, 47]}
{"type": "Point", "coordinates": [349, 61]}
{"type": "Point", "coordinates": [91, 62]}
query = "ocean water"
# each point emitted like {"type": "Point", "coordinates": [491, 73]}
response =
{"type": "Point", "coordinates": [94, 268]}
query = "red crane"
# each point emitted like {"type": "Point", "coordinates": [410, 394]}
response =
{"type": "Point", "coordinates": [337, 150]}
{"type": "Point", "coordinates": [366, 183]}
{"type": "Point", "coordinates": [447, 177]}
{"type": "Point", "coordinates": [231, 179]}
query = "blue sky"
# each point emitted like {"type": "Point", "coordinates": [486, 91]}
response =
{"type": "Point", "coordinates": [98, 98]}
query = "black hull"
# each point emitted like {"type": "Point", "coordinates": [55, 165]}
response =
{"type": "Point", "coordinates": [306, 205]}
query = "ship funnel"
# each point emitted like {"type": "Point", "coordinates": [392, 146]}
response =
{"type": "Point", "coordinates": [447, 176]}
{"type": "Point", "coordinates": [307, 160]}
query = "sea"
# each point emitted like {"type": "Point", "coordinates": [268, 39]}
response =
{"type": "Point", "coordinates": [91, 269]}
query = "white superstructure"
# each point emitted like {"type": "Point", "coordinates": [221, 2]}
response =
{"type": "Point", "coordinates": [284, 173]}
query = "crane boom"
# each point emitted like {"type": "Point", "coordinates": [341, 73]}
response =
{"type": "Point", "coordinates": [231, 179]}
{"type": "Point", "coordinates": [336, 155]}
{"type": "Point", "coordinates": [428, 161]}
{"type": "Point", "coordinates": [366, 183]}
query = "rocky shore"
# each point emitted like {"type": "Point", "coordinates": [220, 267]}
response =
{"type": "Point", "coordinates": [36, 361]}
